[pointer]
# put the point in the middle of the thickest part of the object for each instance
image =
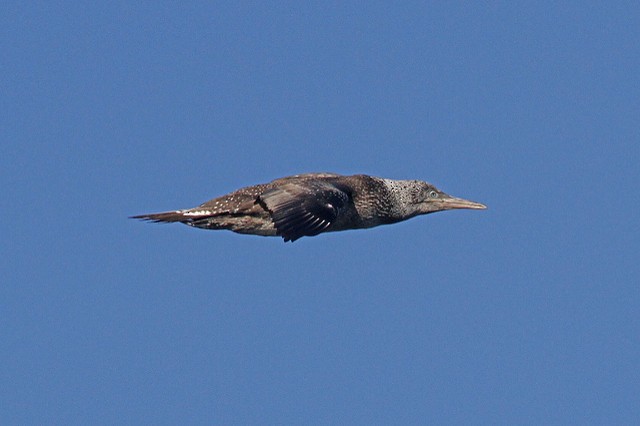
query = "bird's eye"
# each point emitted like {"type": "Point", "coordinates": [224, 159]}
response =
{"type": "Point", "coordinates": [433, 194]}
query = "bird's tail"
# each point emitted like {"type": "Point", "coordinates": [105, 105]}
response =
{"type": "Point", "coordinates": [184, 216]}
{"type": "Point", "coordinates": [168, 217]}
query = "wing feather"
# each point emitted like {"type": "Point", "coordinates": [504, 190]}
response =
{"type": "Point", "coordinates": [303, 209]}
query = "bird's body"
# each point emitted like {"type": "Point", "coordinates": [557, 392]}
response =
{"type": "Point", "coordinates": [313, 203]}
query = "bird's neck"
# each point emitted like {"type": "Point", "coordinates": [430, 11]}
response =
{"type": "Point", "coordinates": [399, 199]}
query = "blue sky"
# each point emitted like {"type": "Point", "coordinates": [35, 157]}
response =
{"type": "Point", "coordinates": [526, 313]}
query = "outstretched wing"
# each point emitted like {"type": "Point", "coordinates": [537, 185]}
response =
{"type": "Point", "coordinates": [303, 209]}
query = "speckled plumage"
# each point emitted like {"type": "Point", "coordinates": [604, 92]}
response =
{"type": "Point", "coordinates": [313, 203]}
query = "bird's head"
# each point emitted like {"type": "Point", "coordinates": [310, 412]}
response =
{"type": "Point", "coordinates": [420, 197]}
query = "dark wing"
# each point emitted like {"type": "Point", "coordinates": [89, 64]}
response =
{"type": "Point", "coordinates": [303, 209]}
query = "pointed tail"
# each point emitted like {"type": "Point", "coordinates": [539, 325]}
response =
{"type": "Point", "coordinates": [166, 217]}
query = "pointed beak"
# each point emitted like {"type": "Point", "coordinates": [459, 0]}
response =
{"type": "Point", "coordinates": [451, 203]}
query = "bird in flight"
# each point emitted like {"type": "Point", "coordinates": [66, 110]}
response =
{"type": "Point", "coordinates": [309, 204]}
